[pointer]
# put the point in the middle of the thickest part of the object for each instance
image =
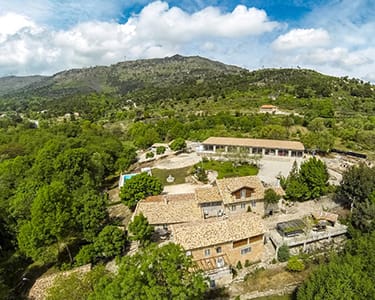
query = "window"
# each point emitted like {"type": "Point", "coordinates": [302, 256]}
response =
{"type": "Point", "coordinates": [253, 203]}
{"type": "Point", "coordinates": [207, 252]}
{"type": "Point", "coordinates": [212, 283]}
{"type": "Point", "coordinates": [220, 262]}
{"type": "Point", "coordinates": [233, 207]}
{"type": "Point", "coordinates": [243, 205]}
{"type": "Point", "coordinates": [245, 250]}
{"type": "Point", "coordinates": [219, 250]}
{"type": "Point", "coordinates": [243, 193]}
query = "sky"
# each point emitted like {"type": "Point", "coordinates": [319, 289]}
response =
{"type": "Point", "coordinates": [335, 37]}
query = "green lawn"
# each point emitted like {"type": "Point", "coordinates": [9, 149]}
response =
{"type": "Point", "coordinates": [228, 169]}
{"type": "Point", "coordinates": [178, 174]}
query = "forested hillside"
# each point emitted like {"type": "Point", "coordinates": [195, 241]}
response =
{"type": "Point", "coordinates": [194, 98]}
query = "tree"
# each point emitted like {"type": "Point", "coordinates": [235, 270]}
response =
{"type": "Point", "coordinates": [309, 182]}
{"type": "Point", "coordinates": [140, 229]}
{"type": "Point", "coordinates": [357, 190]}
{"type": "Point", "coordinates": [139, 187]}
{"type": "Point", "coordinates": [155, 273]}
{"type": "Point", "coordinates": [283, 253]}
{"type": "Point", "coordinates": [315, 175]}
{"type": "Point", "coordinates": [109, 243]}
{"type": "Point", "coordinates": [178, 144]}
{"type": "Point", "coordinates": [357, 184]}
{"type": "Point", "coordinates": [271, 197]}
{"type": "Point", "coordinates": [51, 221]}
{"type": "Point", "coordinates": [90, 212]}
{"type": "Point", "coordinates": [349, 275]}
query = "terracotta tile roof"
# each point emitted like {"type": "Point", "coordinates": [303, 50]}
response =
{"type": "Point", "coordinates": [227, 186]}
{"type": "Point", "coordinates": [169, 209]}
{"type": "Point", "coordinates": [268, 106]}
{"type": "Point", "coordinates": [258, 143]}
{"type": "Point", "coordinates": [210, 194]}
{"type": "Point", "coordinates": [217, 230]}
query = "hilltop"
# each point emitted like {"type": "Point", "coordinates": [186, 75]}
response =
{"type": "Point", "coordinates": [122, 77]}
{"type": "Point", "coordinates": [178, 85]}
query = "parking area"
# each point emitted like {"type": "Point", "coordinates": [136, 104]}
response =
{"type": "Point", "coordinates": [272, 167]}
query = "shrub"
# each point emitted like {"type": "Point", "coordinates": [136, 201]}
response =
{"type": "Point", "coordinates": [160, 150]}
{"type": "Point", "coordinates": [178, 144]}
{"type": "Point", "coordinates": [295, 264]}
{"type": "Point", "coordinates": [239, 265]}
{"type": "Point", "coordinates": [283, 253]}
{"type": "Point", "coordinates": [247, 263]}
{"type": "Point", "coordinates": [150, 154]}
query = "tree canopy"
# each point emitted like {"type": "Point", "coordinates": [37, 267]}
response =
{"type": "Point", "coordinates": [178, 144]}
{"type": "Point", "coordinates": [140, 229]}
{"type": "Point", "coordinates": [271, 197]}
{"type": "Point", "coordinates": [109, 243]}
{"type": "Point", "coordinates": [347, 276]}
{"type": "Point", "coordinates": [357, 190]}
{"type": "Point", "coordinates": [309, 182]}
{"type": "Point", "coordinates": [154, 273]}
{"type": "Point", "coordinates": [139, 187]}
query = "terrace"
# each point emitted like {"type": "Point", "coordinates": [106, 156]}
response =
{"type": "Point", "coordinates": [307, 236]}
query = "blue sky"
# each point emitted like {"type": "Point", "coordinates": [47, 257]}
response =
{"type": "Point", "coordinates": [46, 36]}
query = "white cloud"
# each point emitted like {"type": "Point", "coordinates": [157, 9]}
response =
{"type": "Point", "coordinates": [159, 30]}
{"type": "Point", "coordinates": [340, 56]}
{"type": "Point", "coordinates": [302, 38]}
{"type": "Point", "coordinates": [12, 23]}
{"type": "Point", "coordinates": [336, 39]}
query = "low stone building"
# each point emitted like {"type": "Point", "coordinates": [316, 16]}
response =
{"type": "Point", "coordinates": [268, 108]}
{"type": "Point", "coordinates": [227, 147]}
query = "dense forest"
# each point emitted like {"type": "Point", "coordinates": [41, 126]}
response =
{"type": "Point", "coordinates": [65, 138]}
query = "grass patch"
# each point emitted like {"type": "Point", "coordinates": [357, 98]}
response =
{"type": "Point", "coordinates": [178, 174]}
{"type": "Point", "coordinates": [229, 169]}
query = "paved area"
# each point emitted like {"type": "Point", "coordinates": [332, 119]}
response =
{"type": "Point", "coordinates": [299, 210]}
{"type": "Point", "coordinates": [182, 188]}
{"type": "Point", "coordinates": [272, 167]}
{"type": "Point", "coordinates": [178, 161]}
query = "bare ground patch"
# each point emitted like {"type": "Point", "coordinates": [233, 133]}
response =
{"type": "Point", "coordinates": [265, 280]}
{"type": "Point", "coordinates": [120, 214]}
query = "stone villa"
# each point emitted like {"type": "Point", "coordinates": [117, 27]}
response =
{"type": "Point", "coordinates": [218, 226]}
